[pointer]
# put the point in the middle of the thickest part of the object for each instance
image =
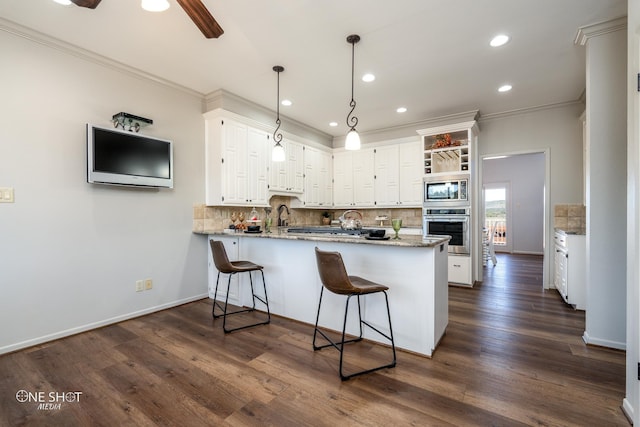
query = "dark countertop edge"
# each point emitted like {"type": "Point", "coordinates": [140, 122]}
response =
{"type": "Point", "coordinates": [405, 241]}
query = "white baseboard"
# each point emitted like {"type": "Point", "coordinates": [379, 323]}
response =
{"type": "Point", "coordinates": [627, 408]}
{"type": "Point", "coordinates": [527, 253]}
{"type": "Point", "coordinates": [603, 343]}
{"type": "Point", "coordinates": [68, 332]}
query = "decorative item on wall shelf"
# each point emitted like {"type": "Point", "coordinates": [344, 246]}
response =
{"type": "Point", "coordinates": [129, 122]}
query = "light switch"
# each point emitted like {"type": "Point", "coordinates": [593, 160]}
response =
{"type": "Point", "coordinates": [6, 195]}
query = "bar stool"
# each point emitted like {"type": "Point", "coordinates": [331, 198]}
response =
{"type": "Point", "coordinates": [225, 266]}
{"type": "Point", "coordinates": [334, 277]}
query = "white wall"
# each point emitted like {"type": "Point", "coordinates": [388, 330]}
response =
{"type": "Point", "coordinates": [70, 252]}
{"type": "Point", "coordinates": [525, 175]}
{"type": "Point", "coordinates": [632, 397]}
{"type": "Point", "coordinates": [606, 191]}
{"type": "Point", "coordinates": [557, 131]}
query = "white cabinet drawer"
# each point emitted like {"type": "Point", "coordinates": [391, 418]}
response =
{"type": "Point", "coordinates": [460, 269]}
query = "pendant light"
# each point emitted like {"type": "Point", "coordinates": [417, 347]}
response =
{"type": "Point", "coordinates": [278, 154]}
{"type": "Point", "coordinates": [352, 141]}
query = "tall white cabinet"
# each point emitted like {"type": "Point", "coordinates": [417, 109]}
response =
{"type": "Point", "coordinates": [236, 162]}
{"type": "Point", "coordinates": [318, 178]}
{"type": "Point", "coordinates": [398, 176]}
{"type": "Point", "coordinates": [288, 176]}
{"type": "Point", "coordinates": [447, 150]}
{"type": "Point", "coordinates": [353, 179]}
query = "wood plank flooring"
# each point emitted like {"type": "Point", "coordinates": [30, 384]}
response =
{"type": "Point", "coordinates": [512, 355]}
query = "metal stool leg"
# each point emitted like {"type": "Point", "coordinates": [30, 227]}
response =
{"type": "Point", "coordinates": [253, 308]}
{"type": "Point", "coordinates": [340, 345]}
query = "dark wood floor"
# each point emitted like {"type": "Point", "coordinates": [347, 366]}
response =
{"type": "Point", "coordinates": [512, 356]}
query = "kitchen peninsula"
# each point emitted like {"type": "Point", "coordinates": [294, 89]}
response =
{"type": "Point", "coordinates": [415, 269]}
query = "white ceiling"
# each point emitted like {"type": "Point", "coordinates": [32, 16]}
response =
{"type": "Point", "coordinates": [431, 56]}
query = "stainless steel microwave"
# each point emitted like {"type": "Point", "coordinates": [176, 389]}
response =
{"type": "Point", "coordinates": [451, 190]}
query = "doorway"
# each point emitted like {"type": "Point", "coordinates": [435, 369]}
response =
{"type": "Point", "coordinates": [497, 211]}
{"type": "Point", "coordinates": [524, 177]}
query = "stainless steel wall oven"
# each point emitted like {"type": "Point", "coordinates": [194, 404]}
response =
{"type": "Point", "coordinates": [452, 222]}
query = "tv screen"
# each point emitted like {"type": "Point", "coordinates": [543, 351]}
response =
{"type": "Point", "coordinates": [120, 157]}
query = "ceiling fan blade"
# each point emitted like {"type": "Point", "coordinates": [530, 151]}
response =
{"type": "Point", "coordinates": [200, 16]}
{"type": "Point", "coordinates": [91, 4]}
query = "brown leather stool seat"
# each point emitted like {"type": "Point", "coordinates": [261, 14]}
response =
{"type": "Point", "coordinates": [334, 277]}
{"type": "Point", "coordinates": [223, 265]}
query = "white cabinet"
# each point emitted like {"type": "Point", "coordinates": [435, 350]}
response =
{"type": "Point", "coordinates": [398, 175]}
{"type": "Point", "coordinates": [231, 247]}
{"type": "Point", "coordinates": [447, 152]}
{"type": "Point", "coordinates": [411, 174]}
{"type": "Point", "coordinates": [236, 162]}
{"type": "Point", "coordinates": [460, 269]}
{"type": "Point", "coordinates": [288, 176]}
{"type": "Point", "coordinates": [570, 268]}
{"type": "Point", "coordinates": [353, 178]}
{"type": "Point", "coordinates": [318, 178]}
{"type": "Point", "coordinates": [257, 166]}
{"type": "Point", "coordinates": [387, 176]}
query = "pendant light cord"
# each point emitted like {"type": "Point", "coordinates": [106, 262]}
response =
{"type": "Point", "coordinates": [352, 121]}
{"type": "Point", "coordinates": [277, 137]}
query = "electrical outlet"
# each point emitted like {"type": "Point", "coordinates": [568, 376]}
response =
{"type": "Point", "coordinates": [6, 195]}
{"type": "Point", "coordinates": [139, 285]}
{"type": "Point", "coordinates": [148, 284]}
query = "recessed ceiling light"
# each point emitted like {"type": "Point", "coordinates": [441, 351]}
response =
{"type": "Point", "coordinates": [286, 103]}
{"type": "Point", "coordinates": [499, 40]}
{"type": "Point", "coordinates": [401, 110]}
{"type": "Point", "coordinates": [155, 5]}
{"type": "Point", "coordinates": [368, 78]}
{"type": "Point", "coordinates": [333, 124]}
{"type": "Point", "coordinates": [505, 88]}
{"type": "Point", "coordinates": [63, 2]}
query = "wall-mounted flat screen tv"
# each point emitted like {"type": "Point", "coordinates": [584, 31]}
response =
{"type": "Point", "coordinates": [119, 157]}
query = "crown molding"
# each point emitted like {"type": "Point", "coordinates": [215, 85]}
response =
{"type": "Point", "coordinates": [506, 114]}
{"type": "Point", "coordinates": [26, 33]}
{"type": "Point", "coordinates": [221, 99]}
{"type": "Point", "coordinates": [599, 29]}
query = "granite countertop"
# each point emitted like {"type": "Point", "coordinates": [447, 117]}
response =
{"type": "Point", "coordinates": [406, 240]}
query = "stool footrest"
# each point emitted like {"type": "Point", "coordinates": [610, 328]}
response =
{"type": "Point", "coordinates": [254, 297]}
{"type": "Point", "coordinates": [340, 344]}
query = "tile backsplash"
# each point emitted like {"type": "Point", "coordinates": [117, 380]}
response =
{"type": "Point", "coordinates": [570, 217]}
{"type": "Point", "coordinates": [217, 218]}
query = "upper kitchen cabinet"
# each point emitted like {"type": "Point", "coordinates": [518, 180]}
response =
{"type": "Point", "coordinates": [448, 149]}
{"type": "Point", "coordinates": [288, 176]}
{"type": "Point", "coordinates": [235, 162]}
{"type": "Point", "coordinates": [318, 178]}
{"type": "Point", "coordinates": [398, 175]}
{"type": "Point", "coordinates": [353, 178]}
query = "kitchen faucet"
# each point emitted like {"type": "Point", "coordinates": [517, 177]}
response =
{"type": "Point", "coordinates": [282, 222]}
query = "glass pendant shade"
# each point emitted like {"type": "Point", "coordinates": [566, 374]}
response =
{"type": "Point", "coordinates": [155, 5]}
{"type": "Point", "coordinates": [353, 141]}
{"type": "Point", "coordinates": [278, 155]}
